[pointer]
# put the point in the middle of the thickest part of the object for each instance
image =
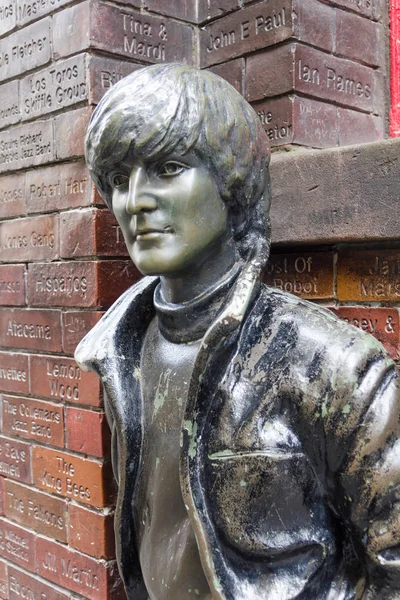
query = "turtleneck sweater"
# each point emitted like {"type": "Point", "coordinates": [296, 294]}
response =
{"type": "Point", "coordinates": [168, 551]}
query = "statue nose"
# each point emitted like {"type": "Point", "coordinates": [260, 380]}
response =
{"type": "Point", "coordinates": [140, 198]}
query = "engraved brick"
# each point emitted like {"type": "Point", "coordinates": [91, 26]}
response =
{"type": "Point", "coordinates": [29, 10]}
{"type": "Point", "coordinates": [15, 460]}
{"type": "Point", "coordinates": [359, 128]}
{"type": "Point", "coordinates": [264, 24]}
{"type": "Point", "coordinates": [309, 71]}
{"type": "Point", "coordinates": [59, 86]}
{"type": "Point", "coordinates": [75, 571]}
{"type": "Point", "coordinates": [367, 46]}
{"type": "Point", "coordinates": [8, 11]}
{"type": "Point", "coordinates": [12, 285]}
{"type": "Point", "coordinates": [33, 420]}
{"type": "Point", "coordinates": [209, 9]}
{"type": "Point", "coordinates": [58, 187]}
{"type": "Point", "coordinates": [3, 581]}
{"type": "Point", "coordinates": [91, 232]}
{"type": "Point", "coordinates": [26, 146]}
{"type": "Point", "coordinates": [83, 284]}
{"type": "Point", "coordinates": [12, 199]}
{"type": "Point", "coordinates": [22, 585]}
{"type": "Point", "coordinates": [91, 532]}
{"type": "Point", "coordinates": [9, 103]}
{"type": "Point", "coordinates": [368, 8]}
{"type": "Point", "coordinates": [60, 378]}
{"type": "Point", "coordinates": [369, 275]}
{"type": "Point", "coordinates": [2, 504]}
{"type": "Point", "coordinates": [309, 275]}
{"type": "Point", "coordinates": [69, 130]}
{"type": "Point", "coordinates": [41, 512]}
{"type": "Point", "coordinates": [75, 324]}
{"type": "Point", "coordinates": [87, 431]}
{"type": "Point", "coordinates": [25, 49]}
{"type": "Point", "coordinates": [382, 323]}
{"type": "Point", "coordinates": [34, 238]}
{"type": "Point", "coordinates": [14, 372]}
{"type": "Point", "coordinates": [121, 31]}
{"type": "Point", "coordinates": [30, 329]}
{"type": "Point", "coordinates": [17, 544]}
{"type": "Point", "coordinates": [233, 72]}
{"type": "Point", "coordinates": [74, 477]}
{"type": "Point", "coordinates": [104, 72]}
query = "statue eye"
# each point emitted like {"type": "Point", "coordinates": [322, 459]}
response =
{"type": "Point", "coordinates": [120, 180]}
{"type": "Point", "coordinates": [171, 169]}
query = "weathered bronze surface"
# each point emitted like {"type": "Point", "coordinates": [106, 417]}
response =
{"type": "Point", "coordinates": [255, 436]}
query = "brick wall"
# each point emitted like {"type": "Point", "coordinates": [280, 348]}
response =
{"type": "Point", "coordinates": [62, 259]}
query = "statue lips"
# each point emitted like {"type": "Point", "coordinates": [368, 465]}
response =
{"type": "Point", "coordinates": [151, 233]}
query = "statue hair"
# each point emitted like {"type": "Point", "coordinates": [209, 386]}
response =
{"type": "Point", "coordinates": [168, 108]}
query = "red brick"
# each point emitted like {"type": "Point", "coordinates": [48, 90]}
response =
{"type": "Point", "coordinates": [58, 564]}
{"type": "Point", "coordinates": [87, 431]}
{"type": "Point", "coordinates": [58, 187]}
{"type": "Point", "coordinates": [13, 61]}
{"type": "Point", "coordinates": [17, 544]}
{"type": "Point", "coordinates": [233, 72]}
{"type": "Point", "coordinates": [22, 585]}
{"type": "Point", "coordinates": [69, 132]}
{"type": "Point", "coordinates": [2, 499]}
{"type": "Point", "coordinates": [121, 31]}
{"type": "Point", "coordinates": [41, 512]}
{"type": "Point", "coordinates": [76, 478]}
{"type": "Point", "coordinates": [26, 145]}
{"type": "Point", "coordinates": [3, 581]}
{"type": "Point", "coordinates": [33, 238]}
{"type": "Point", "coordinates": [91, 232]}
{"type": "Point", "coordinates": [12, 285]}
{"type": "Point", "coordinates": [12, 195]}
{"type": "Point", "coordinates": [306, 70]}
{"type": "Point", "coordinates": [59, 86]}
{"type": "Point", "coordinates": [86, 283]}
{"type": "Point", "coordinates": [15, 460]}
{"type": "Point", "coordinates": [91, 532]}
{"type": "Point", "coordinates": [14, 372]}
{"type": "Point", "coordinates": [309, 274]}
{"type": "Point", "coordinates": [60, 378]}
{"type": "Point", "coordinates": [104, 72]}
{"type": "Point", "coordinates": [33, 420]}
{"type": "Point", "coordinates": [75, 325]}
{"type": "Point", "coordinates": [30, 329]}
{"type": "Point", "coordinates": [382, 323]}
{"type": "Point", "coordinates": [359, 128]}
{"type": "Point", "coordinates": [367, 46]}
{"type": "Point", "coordinates": [9, 102]}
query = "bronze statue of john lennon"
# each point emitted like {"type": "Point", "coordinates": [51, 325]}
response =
{"type": "Point", "coordinates": [254, 435]}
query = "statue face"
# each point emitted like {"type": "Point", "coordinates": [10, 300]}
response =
{"type": "Point", "coordinates": [170, 213]}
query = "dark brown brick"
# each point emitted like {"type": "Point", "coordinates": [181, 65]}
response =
{"type": "Point", "coordinates": [359, 128]}
{"type": "Point", "coordinates": [8, 11]}
{"type": "Point", "coordinates": [12, 285]}
{"type": "Point", "coordinates": [104, 72]}
{"type": "Point", "coordinates": [264, 24]}
{"type": "Point", "coordinates": [314, 73]}
{"type": "Point", "coordinates": [69, 130]}
{"type": "Point", "coordinates": [367, 46]}
{"type": "Point", "coordinates": [12, 198]}
{"type": "Point", "coordinates": [232, 71]}
{"type": "Point", "coordinates": [369, 8]}
{"type": "Point", "coordinates": [26, 145]}
{"type": "Point", "coordinates": [97, 581]}
{"type": "Point", "coordinates": [91, 532]}
{"type": "Point", "coordinates": [382, 323]}
{"type": "Point", "coordinates": [15, 460]}
{"type": "Point", "coordinates": [87, 431]}
{"type": "Point", "coordinates": [84, 284]}
{"type": "Point", "coordinates": [309, 275]}
{"type": "Point", "coordinates": [72, 476]}
{"type": "Point", "coordinates": [14, 372]}
{"type": "Point", "coordinates": [34, 238]}
{"type": "Point", "coordinates": [29, 10]}
{"type": "Point", "coordinates": [59, 86]}
{"type": "Point", "coordinates": [41, 512]}
{"type": "Point", "coordinates": [121, 31]}
{"type": "Point", "coordinates": [17, 544]}
{"type": "Point", "coordinates": [22, 585]}
{"type": "Point", "coordinates": [24, 50]}
{"type": "Point", "coordinates": [60, 378]}
{"type": "Point", "coordinates": [3, 581]}
{"type": "Point", "coordinates": [30, 329]}
{"type": "Point", "coordinates": [33, 420]}
{"type": "Point", "coordinates": [91, 232]}
{"type": "Point", "coordinates": [9, 103]}
{"type": "Point", "coordinates": [75, 324]}
{"type": "Point", "coordinates": [187, 10]}
{"type": "Point", "coordinates": [209, 9]}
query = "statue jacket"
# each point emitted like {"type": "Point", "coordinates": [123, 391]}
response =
{"type": "Point", "coordinates": [290, 452]}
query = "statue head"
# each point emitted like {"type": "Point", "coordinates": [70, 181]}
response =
{"type": "Point", "coordinates": [168, 114]}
